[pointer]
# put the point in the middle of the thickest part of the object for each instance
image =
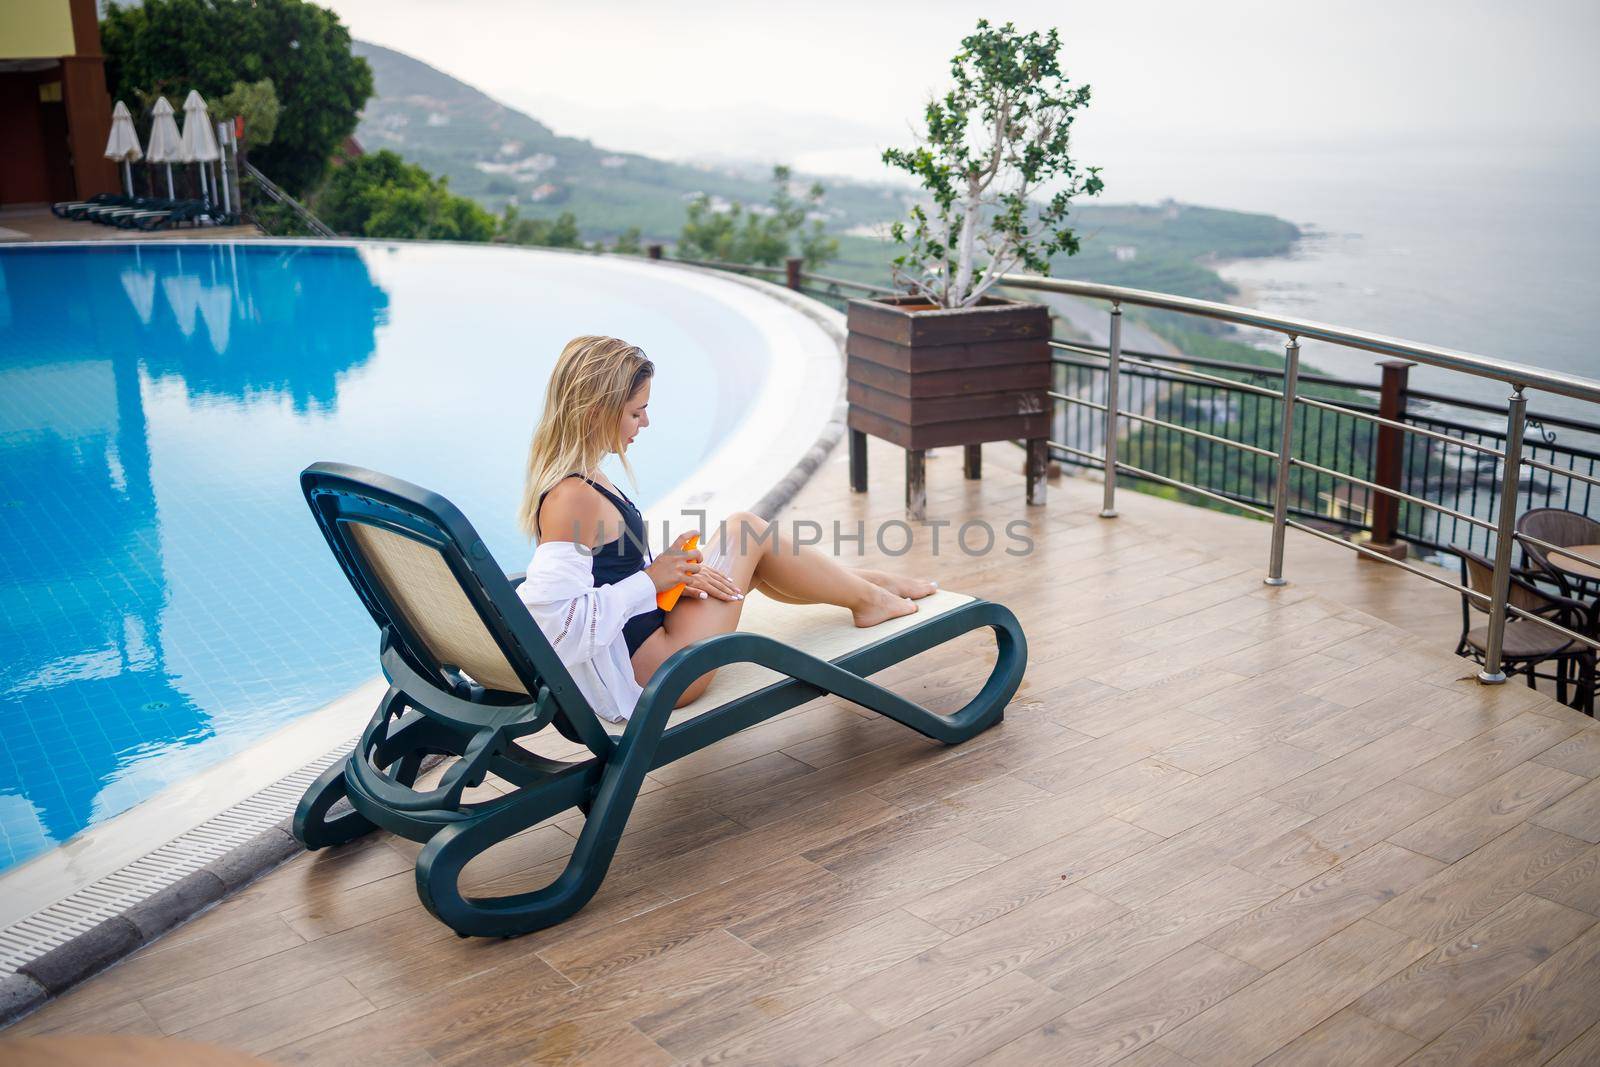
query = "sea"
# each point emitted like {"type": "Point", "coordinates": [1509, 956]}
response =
{"type": "Point", "coordinates": [1490, 248]}
{"type": "Point", "coordinates": [1492, 251]}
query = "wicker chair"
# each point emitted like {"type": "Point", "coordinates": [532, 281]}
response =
{"type": "Point", "coordinates": [1528, 644]}
{"type": "Point", "coordinates": [1559, 527]}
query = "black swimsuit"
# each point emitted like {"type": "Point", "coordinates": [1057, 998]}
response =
{"type": "Point", "coordinates": [622, 558]}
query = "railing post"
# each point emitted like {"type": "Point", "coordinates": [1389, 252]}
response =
{"type": "Point", "coordinates": [1516, 420]}
{"type": "Point", "coordinates": [1387, 462]}
{"type": "Point", "coordinates": [653, 251]}
{"type": "Point", "coordinates": [1280, 493]}
{"type": "Point", "coordinates": [1108, 508]}
{"type": "Point", "coordinates": [791, 271]}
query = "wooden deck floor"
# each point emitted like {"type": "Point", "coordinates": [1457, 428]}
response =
{"type": "Point", "coordinates": [1221, 824]}
{"type": "Point", "coordinates": [35, 223]}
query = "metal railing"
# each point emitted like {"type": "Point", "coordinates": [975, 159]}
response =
{"type": "Point", "coordinates": [272, 192]}
{"type": "Point", "coordinates": [1293, 409]}
{"type": "Point", "coordinates": [1427, 445]}
{"type": "Point", "coordinates": [1382, 439]}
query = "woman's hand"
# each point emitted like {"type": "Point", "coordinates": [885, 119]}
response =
{"type": "Point", "coordinates": [712, 582]}
{"type": "Point", "coordinates": [677, 564]}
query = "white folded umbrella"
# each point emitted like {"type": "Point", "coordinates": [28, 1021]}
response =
{"type": "Point", "coordinates": [123, 144]}
{"type": "Point", "coordinates": [199, 139]}
{"type": "Point", "coordinates": [166, 144]}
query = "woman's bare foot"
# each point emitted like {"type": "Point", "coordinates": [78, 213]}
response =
{"type": "Point", "coordinates": [914, 588]}
{"type": "Point", "coordinates": [883, 607]}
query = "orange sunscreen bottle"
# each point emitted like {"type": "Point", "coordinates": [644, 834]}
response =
{"type": "Point", "coordinates": [667, 598]}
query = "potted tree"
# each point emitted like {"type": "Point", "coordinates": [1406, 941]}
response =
{"type": "Point", "coordinates": [945, 362]}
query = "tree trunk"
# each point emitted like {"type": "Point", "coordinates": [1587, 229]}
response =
{"type": "Point", "coordinates": [969, 246]}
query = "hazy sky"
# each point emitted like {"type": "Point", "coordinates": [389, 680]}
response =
{"type": "Point", "coordinates": [827, 85]}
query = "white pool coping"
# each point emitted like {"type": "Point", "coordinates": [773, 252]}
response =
{"type": "Point", "coordinates": [787, 426]}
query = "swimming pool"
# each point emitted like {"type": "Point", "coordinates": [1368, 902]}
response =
{"type": "Point", "coordinates": [165, 598]}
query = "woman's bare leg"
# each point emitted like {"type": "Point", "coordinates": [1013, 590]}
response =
{"type": "Point", "coordinates": [915, 588]}
{"type": "Point", "coordinates": [805, 576]}
{"type": "Point", "coordinates": [769, 590]}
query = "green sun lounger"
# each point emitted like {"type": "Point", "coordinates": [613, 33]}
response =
{"type": "Point", "coordinates": [470, 673]}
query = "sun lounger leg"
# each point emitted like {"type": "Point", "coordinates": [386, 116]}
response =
{"type": "Point", "coordinates": [312, 825]}
{"type": "Point", "coordinates": [448, 852]}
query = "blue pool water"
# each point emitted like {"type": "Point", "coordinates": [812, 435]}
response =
{"type": "Point", "coordinates": [165, 597]}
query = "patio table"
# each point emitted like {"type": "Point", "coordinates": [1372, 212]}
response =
{"type": "Point", "coordinates": [1585, 569]}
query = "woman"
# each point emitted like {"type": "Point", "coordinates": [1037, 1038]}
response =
{"type": "Point", "coordinates": [592, 583]}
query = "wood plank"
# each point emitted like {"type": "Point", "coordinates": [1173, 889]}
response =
{"type": "Point", "coordinates": [1145, 936]}
{"type": "Point", "coordinates": [816, 1033]}
{"type": "Point", "coordinates": [1085, 762]}
{"type": "Point", "coordinates": [1215, 793]}
{"type": "Point", "coordinates": [493, 1017]}
{"type": "Point", "coordinates": [1489, 755]}
{"type": "Point", "coordinates": [735, 857]}
{"type": "Point", "coordinates": [1280, 1007]}
{"type": "Point", "coordinates": [1487, 812]}
{"type": "Point", "coordinates": [967, 1029]}
{"type": "Point", "coordinates": [1576, 815]}
{"type": "Point", "coordinates": [1457, 899]}
{"type": "Point", "coordinates": [1578, 754]}
{"type": "Point", "coordinates": [1194, 853]}
{"type": "Point", "coordinates": [305, 1011]}
{"type": "Point", "coordinates": [961, 967]}
{"type": "Point", "coordinates": [1344, 1039]}
{"type": "Point", "coordinates": [925, 827]}
{"type": "Point", "coordinates": [1044, 821]}
{"type": "Point", "coordinates": [613, 948]}
{"type": "Point", "coordinates": [1577, 885]}
{"type": "Point", "coordinates": [399, 973]}
{"type": "Point", "coordinates": [1349, 776]}
{"type": "Point", "coordinates": [721, 1014]}
{"type": "Point", "coordinates": [941, 357]}
{"type": "Point", "coordinates": [1133, 1014]}
{"type": "Point", "coordinates": [1427, 997]}
{"type": "Point", "coordinates": [1584, 1052]}
{"type": "Point", "coordinates": [1290, 924]}
{"type": "Point", "coordinates": [569, 1043]}
{"type": "Point", "coordinates": [1019, 881]}
{"type": "Point", "coordinates": [945, 434]}
{"type": "Point", "coordinates": [1530, 1019]}
{"type": "Point", "coordinates": [163, 966]}
{"type": "Point", "coordinates": [863, 895]}
{"type": "Point", "coordinates": [926, 410]}
{"type": "Point", "coordinates": [1217, 748]}
{"type": "Point", "coordinates": [1352, 828]}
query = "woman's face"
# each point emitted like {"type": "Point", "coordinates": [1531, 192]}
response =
{"type": "Point", "coordinates": [634, 417]}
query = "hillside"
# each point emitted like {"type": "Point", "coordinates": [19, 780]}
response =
{"type": "Point", "coordinates": [493, 153]}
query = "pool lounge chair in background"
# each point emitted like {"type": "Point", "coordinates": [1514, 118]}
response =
{"type": "Point", "coordinates": [63, 209]}
{"type": "Point", "coordinates": [108, 214]}
{"type": "Point", "coordinates": [470, 673]}
{"type": "Point", "coordinates": [193, 211]}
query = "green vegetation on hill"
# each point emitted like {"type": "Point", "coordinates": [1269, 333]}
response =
{"type": "Point", "coordinates": [171, 46]}
{"type": "Point", "coordinates": [496, 154]}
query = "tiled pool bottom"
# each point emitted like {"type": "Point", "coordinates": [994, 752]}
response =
{"type": "Point", "coordinates": [165, 599]}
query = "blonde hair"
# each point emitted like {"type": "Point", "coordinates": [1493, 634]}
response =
{"type": "Point", "coordinates": [592, 381]}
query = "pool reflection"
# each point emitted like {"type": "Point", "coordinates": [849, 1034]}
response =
{"type": "Point", "coordinates": [88, 341]}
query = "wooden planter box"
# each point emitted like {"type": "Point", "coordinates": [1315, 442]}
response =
{"type": "Point", "coordinates": [923, 377]}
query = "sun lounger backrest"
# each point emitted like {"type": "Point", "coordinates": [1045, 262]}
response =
{"type": "Point", "coordinates": [425, 575]}
{"type": "Point", "coordinates": [422, 589]}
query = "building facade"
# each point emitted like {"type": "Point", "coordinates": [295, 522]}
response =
{"type": "Point", "coordinates": [55, 113]}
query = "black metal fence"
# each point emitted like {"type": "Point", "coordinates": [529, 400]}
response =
{"type": "Point", "coordinates": [1243, 404]}
{"type": "Point", "coordinates": [1459, 477]}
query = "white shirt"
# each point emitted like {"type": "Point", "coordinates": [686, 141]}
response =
{"type": "Point", "coordinates": [583, 622]}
